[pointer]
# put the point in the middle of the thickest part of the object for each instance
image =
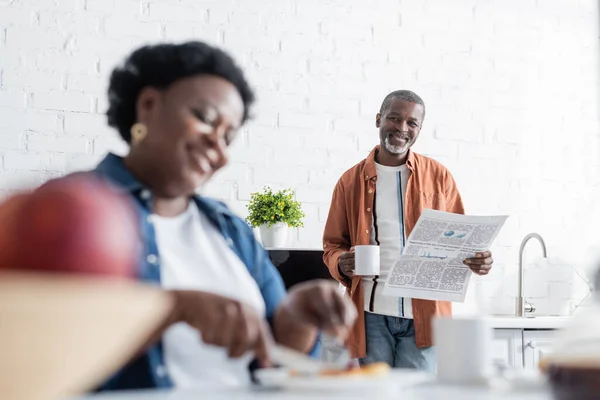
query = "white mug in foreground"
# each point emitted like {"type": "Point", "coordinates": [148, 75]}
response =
{"type": "Point", "coordinates": [463, 349]}
{"type": "Point", "coordinates": [366, 260]}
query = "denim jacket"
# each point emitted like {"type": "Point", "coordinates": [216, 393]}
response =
{"type": "Point", "coordinates": [148, 370]}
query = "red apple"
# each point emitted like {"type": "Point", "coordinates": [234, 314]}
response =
{"type": "Point", "coordinates": [9, 210]}
{"type": "Point", "coordinates": [77, 224]}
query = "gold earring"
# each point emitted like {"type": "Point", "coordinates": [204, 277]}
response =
{"type": "Point", "coordinates": [138, 132]}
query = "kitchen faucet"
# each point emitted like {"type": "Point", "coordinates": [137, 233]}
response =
{"type": "Point", "coordinates": [523, 306]}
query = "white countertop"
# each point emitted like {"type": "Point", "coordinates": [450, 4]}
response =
{"type": "Point", "coordinates": [529, 323]}
{"type": "Point", "coordinates": [430, 393]}
{"type": "Point", "coordinates": [428, 390]}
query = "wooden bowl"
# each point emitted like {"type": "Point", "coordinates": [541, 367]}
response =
{"type": "Point", "coordinates": [63, 335]}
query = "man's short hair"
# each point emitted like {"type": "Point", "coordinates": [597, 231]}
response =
{"type": "Point", "coordinates": [405, 95]}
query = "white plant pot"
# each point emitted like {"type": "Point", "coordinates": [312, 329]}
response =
{"type": "Point", "coordinates": [274, 236]}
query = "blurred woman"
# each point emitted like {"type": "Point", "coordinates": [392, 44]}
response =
{"type": "Point", "coordinates": [179, 106]}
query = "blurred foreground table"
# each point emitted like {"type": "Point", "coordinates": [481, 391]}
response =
{"type": "Point", "coordinates": [421, 391]}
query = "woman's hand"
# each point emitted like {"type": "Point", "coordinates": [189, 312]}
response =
{"type": "Point", "coordinates": [224, 322]}
{"type": "Point", "coordinates": [313, 306]}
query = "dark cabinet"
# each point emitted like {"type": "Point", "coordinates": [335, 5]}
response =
{"type": "Point", "coordinates": [299, 265]}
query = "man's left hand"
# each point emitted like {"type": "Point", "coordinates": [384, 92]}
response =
{"type": "Point", "coordinates": [481, 264]}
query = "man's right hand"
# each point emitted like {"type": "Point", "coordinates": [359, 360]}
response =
{"type": "Point", "coordinates": [346, 263]}
{"type": "Point", "coordinates": [225, 322]}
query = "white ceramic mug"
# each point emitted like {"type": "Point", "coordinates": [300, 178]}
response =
{"type": "Point", "coordinates": [366, 260]}
{"type": "Point", "coordinates": [463, 349]}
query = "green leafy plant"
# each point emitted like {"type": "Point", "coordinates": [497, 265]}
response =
{"type": "Point", "coordinates": [271, 207]}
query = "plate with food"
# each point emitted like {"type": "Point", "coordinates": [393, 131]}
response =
{"type": "Point", "coordinates": [376, 376]}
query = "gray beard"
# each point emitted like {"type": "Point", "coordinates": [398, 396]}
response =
{"type": "Point", "coordinates": [394, 149]}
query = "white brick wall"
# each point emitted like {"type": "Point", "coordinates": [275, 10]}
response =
{"type": "Point", "coordinates": [510, 87]}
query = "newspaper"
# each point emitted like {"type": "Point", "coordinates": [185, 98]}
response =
{"type": "Point", "coordinates": [431, 265]}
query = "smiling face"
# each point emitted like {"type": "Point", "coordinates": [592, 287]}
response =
{"type": "Point", "coordinates": [190, 126]}
{"type": "Point", "coordinates": [399, 126]}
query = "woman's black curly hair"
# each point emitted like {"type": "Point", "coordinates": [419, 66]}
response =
{"type": "Point", "coordinates": [159, 66]}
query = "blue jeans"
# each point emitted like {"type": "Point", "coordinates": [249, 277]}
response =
{"type": "Point", "coordinates": [392, 340]}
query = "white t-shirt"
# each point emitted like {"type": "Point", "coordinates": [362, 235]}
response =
{"type": "Point", "coordinates": [194, 255]}
{"type": "Point", "coordinates": [388, 232]}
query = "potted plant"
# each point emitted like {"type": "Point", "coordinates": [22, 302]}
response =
{"type": "Point", "coordinates": [274, 213]}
